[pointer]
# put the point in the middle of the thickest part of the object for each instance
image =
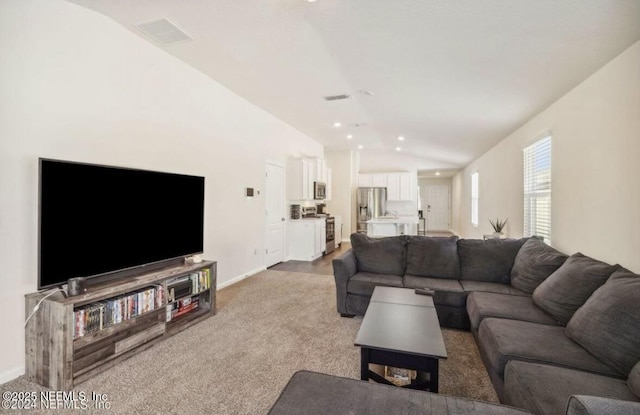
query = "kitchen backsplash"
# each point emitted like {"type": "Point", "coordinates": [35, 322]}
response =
{"type": "Point", "coordinates": [402, 208]}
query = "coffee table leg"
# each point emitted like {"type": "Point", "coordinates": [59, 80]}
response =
{"type": "Point", "coordinates": [365, 355]}
{"type": "Point", "coordinates": [433, 375]}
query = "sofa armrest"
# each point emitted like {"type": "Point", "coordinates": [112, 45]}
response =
{"type": "Point", "coordinates": [344, 267]}
{"type": "Point", "coordinates": [595, 405]}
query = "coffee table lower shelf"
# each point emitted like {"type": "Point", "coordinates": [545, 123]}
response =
{"type": "Point", "coordinates": [426, 367]}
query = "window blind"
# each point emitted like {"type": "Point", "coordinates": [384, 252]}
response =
{"type": "Point", "coordinates": [474, 198]}
{"type": "Point", "coordinates": [537, 189]}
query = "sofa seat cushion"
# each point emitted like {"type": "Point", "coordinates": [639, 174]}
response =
{"type": "Point", "coordinates": [481, 305]}
{"type": "Point", "coordinates": [491, 287]}
{"type": "Point", "coordinates": [546, 389]}
{"type": "Point", "coordinates": [433, 257]}
{"type": "Point", "coordinates": [380, 255]}
{"type": "Point", "coordinates": [571, 285]}
{"type": "Point", "coordinates": [490, 260]}
{"type": "Point", "coordinates": [448, 292]}
{"type": "Point", "coordinates": [363, 283]}
{"type": "Point", "coordinates": [534, 263]}
{"type": "Point", "coordinates": [608, 324]}
{"type": "Point", "coordinates": [502, 340]}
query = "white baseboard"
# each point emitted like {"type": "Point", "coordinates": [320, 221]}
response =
{"type": "Point", "coordinates": [240, 278]}
{"type": "Point", "coordinates": [11, 374]}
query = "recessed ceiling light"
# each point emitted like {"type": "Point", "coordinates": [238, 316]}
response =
{"type": "Point", "coordinates": [337, 124]}
{"type": "Point", "coordinates": [349, 136]}
{"type": "Point", "coordinates": [310, 1]}
{"type": "Point", "coordinates": [400, 138]}
{"type": "Point", "coordinates": [398, 149]}
{"type": "Point", "coordinates": [360, 147]}
{"type": "Point", "coordinates": [437, 173]}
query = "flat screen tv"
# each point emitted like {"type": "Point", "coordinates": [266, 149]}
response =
{"type": "Point", "coordinates": [110, 222]}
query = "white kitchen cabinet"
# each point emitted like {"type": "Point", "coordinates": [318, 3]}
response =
{"type": "Point", "coordinates": [407, 187]}
{"type": "Point", "coordinates": [365, 180]}
{"type": "Point", "coordinates": [379, 180]}
{"type": "Point", "coordinates": [321, 237]}
{"type": "Point", "coordinates": [320, 171]}
{"type": "Point", "coordinates": [307, 239]}
{"type": "Point", "coordinates": [300, 178]}
{"type": "Point", "coordinates": [393, 186]}
{"type": "Point", "coordinates": [372, 180]}
{"type": "Point", "coordinates": [392, 227]}
{"type": "Point", "coordinates": [400, 186]}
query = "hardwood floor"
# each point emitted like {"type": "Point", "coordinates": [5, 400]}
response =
{"type": "Point", "coordinates": [321, 265]}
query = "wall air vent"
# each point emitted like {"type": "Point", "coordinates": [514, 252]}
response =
{"type": "Point", "coordinates": [336, 97]}
{"type": "Point", "coordinates": [163, 31]}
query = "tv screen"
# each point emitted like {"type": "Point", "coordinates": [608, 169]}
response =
{"type": "Point", "coordinates": [99, 220]}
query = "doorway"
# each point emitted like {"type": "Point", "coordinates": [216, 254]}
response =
{"type": "Point", "coordinates": [438, 207]}
{"type": "Point", "coordinates": [275, 214]}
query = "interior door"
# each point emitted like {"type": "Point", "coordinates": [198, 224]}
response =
{"type": "Point", "coordinates": [275, 212]}
{"type": "Point", "coordinates": [437, 207]}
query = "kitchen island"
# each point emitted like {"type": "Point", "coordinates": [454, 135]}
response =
{"type": "Point", "coordinates": [393, 226]}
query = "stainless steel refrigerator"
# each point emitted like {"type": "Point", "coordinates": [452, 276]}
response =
{"type": "Point", "coordinates": [371, 203]}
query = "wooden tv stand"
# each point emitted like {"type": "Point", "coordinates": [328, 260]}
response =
{"type": "Point", "coordinates": [67, 341]}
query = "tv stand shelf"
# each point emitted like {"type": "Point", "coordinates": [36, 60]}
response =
{"type": "Point", "coordinates": [57, 359]}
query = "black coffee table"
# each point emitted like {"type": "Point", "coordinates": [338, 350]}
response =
{"type": "Point", "coordinates": [401, 329]}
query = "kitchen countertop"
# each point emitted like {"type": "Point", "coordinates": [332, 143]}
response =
{"type": "Point", "coordinates": [400, 219]}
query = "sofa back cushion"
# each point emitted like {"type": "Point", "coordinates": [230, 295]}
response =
{"type": "Point", "coordinates": [634, 379]}
{"type": "Point", "coordinates": [433, 257]}
{"type": "Point", "coordinates": [490, 260]}
{"type": "Point", "coordinates": [608, 324]}
{"type": "Point", "coordinates": [571, 285]}
{"type": "Point", "coordinates": [534, 262]}
{"type": "Point", "coordinates": [380, 255]}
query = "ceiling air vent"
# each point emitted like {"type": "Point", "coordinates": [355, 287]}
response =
{"type": "Point", "coordinates": [163, 31]}
{"type": "Point", "coordinates": [336, 97]}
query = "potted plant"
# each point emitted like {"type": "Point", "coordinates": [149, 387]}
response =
{"type": "Point", "coordinates": [498, 226]}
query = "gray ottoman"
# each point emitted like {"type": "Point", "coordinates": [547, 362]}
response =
{"type": "Point", "coordinates": [312, 393]}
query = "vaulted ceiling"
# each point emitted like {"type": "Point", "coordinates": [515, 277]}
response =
{"type": "Point", "coordinates": [453, 77]}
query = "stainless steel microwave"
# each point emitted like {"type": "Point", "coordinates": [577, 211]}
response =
{"type": "Point", "coordinates": [319, 191]}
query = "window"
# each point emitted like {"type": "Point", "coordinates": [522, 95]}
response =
{"type": "Point", "coordinates": [537, 189]}
{"type": "Point", "coordinates": [474, 199]}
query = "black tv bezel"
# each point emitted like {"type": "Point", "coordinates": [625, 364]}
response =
{"type": "Point", "coordinates": [129, 272]}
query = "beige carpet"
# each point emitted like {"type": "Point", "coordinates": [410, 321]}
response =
{"type": "Point", "coordinates": [237, 362]}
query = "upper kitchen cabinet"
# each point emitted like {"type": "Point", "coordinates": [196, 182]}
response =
{"type": "Point", "coordinates": [372, 180]}
{"type": "Point", "coordinates": [365, 180]}
{"type": "Point", "coordinates": [301, 175]}
{"type": "Point", "coordinates": [400, 186]}
{"type": "Point", "coordinates": [320, 170]}
{"type": "Point", "coordinates": [300, 178]}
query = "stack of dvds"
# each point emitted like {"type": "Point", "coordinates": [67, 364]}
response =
{"type": "Point", "coordinates": [97, 316]}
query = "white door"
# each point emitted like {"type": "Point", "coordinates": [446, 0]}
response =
{"type": "Point", "coordinates": [275, 211]}
{"type": "Point", "coordinates": [437, 205]}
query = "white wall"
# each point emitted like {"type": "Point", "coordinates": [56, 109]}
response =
{"type": "Point", "coordinates": [343, 184]}
{"type": "Point", "coordinates": [74, 85]}
{"type": "Point", "coordinates": [595, 168]}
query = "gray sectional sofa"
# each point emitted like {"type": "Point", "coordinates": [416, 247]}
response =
{"type": "Point", "coordinates": [549, 326]}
